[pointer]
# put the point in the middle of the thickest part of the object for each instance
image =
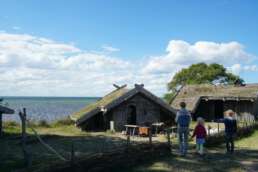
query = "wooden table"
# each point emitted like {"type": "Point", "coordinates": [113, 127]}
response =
{"type": "Point", "coordinates": [131, 129]}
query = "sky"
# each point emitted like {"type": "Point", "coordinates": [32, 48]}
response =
{"type": "Point", "coordinates": [81, 47]}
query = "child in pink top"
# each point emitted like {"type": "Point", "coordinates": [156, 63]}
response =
{"type": "Point", "coordinates": [200, 134]}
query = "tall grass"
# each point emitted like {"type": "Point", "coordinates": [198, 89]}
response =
{"type": "Point", "coordinates": [62, 122]}
{"type": "Point", "coordinates": [11, 124]}
{"type": "Point", "coordinates": [41, 123]}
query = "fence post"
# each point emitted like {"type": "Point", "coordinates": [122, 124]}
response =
{"type": "Point", "coordinates": [168, 137]}
{"type": "Point", "coordinates": [128, 141]}
{"type": "Point", "coordinates": [150, 136]}
{"type": "Point", "coordinates": [26, 154]}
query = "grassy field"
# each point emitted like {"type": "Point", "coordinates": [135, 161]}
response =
{"type": "Point", "coordinates": [245, 159]}
{"type": "Point", "coordinates": [59, 137]}
{"type": "Point", "coordinates": [62, 135]}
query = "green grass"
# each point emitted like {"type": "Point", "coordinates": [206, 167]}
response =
{"type": "Point", "coordinates": [245, 159]}
{"type": "Point", "coordinates": [61, 134]}
{"type": "Point", "coordinates": [249, 143]}
{"type": "Point", "coordinates": [58, 136]}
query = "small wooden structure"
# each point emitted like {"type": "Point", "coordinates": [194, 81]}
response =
{"type": "Point", "coordinates": [4, 110]}
{"type": "Point", "coordinates": [210, 101]}
{"type": "Point", "coordinates": [124, 106]}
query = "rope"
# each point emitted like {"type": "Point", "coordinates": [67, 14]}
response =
{"type": "Point", "coordinates": [46, 145]}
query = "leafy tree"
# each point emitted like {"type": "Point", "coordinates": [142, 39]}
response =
{"type": "Point", "coordinates": [200, 73]}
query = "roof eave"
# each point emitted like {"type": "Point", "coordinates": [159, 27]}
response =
{"type": "Point", "coordinates": [6, 110]}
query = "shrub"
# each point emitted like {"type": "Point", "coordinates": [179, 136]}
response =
{"type": "Point", "coordinates": [11, 124]}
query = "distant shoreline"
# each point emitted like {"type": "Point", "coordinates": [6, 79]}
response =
{"type": "Point", "coordinates": [45, 108]}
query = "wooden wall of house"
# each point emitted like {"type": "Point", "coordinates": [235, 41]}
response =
{"type": "Point", "coordinates": [205, 110]}
{"type": "Point", "coordinates": [146, 112]}
{"type": "Point", "coordinates": [95, 123]}
{"type": "Point", "coordinates": [245, 109]}
{"type": "Point", "coordinates": [256, 109]}
{"type": "Point", "coordinates": [209, 109]}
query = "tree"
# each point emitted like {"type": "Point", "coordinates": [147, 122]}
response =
{"type": "Point", "coordinates": [200, 73]}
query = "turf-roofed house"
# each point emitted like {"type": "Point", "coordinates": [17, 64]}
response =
{"type": "Point", "coordinates": [123, 106]}
{"type": "Point", "coordinates": [210, 101]}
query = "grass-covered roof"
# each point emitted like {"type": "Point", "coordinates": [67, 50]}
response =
{"type": "Point", "coordinates": [192, 93]}
{"type": "Point", "coordinates": [109, 98]}
{"type": "Point", "coordinates": [113, 99]}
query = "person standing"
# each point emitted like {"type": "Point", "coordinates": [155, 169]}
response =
{"type": "Point", "coordinates": [183, 120]}
{"type": "Point", "coordinates": [200, 134]}
{"type": "Point", "coordinates": [230, 129]}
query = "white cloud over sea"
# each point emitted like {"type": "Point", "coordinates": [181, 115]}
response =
{"type": "Point", "coordinates": [31, 65]}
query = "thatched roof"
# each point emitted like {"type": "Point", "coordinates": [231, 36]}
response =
{"type": "Point", "coordinates": [6, 110]}
{"type": "Point", "coordinates": [114, 99]}
{"type": "Point", "coordinates": [191, 94]}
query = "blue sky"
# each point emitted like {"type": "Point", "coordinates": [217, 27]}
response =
{"type": "Point", "coordinates": [136, 33]}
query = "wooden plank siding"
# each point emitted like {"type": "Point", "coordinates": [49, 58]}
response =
{"type": "Point", "coordinates": [207, 108]}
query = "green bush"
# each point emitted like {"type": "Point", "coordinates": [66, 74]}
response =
{"type": "Point", "coordinates": [11, 124]}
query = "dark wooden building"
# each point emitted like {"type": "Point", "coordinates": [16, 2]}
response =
{"type": "Point", "coordinates": [135, 106]}
{"type": "Point", "coordinates": [210, 101]}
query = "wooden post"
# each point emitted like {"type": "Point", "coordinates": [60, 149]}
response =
{"type": "Point", "coordinates": [1, 125]}
{"type": "Point", "coordinates": [26, 154]}
{"type": "Point", "coordinates": [168, 137]}
{"type": "Point", "coordinates": [150, 136]}
{"type": "Point", "coordinates": [128, 142]}
{"type": "Point", "coordinates": [23, 120]}
{"type": "Point", "coordinates": [218, 127]}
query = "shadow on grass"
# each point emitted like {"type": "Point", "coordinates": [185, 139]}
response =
{"type": "Point", "coordinates": [215, 160]}
{"type": "Point", "coordinates": [11, 155]}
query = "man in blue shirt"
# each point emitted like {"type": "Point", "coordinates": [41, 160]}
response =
{"type": "Point", "coordinates": [183, 120]}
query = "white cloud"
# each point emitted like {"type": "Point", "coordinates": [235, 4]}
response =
{"type": "Point", "coordinates": [31, 65]}
{"type": "Point", "coordinates": [110, 48]}
{"type": "Point", "coordinates": [43, 64]}
{"type": "Point", "coordinates": [238, 68]}
{"type": "Point", "coordinates": [181, 54]}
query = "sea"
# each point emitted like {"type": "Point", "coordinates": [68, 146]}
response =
{"type": "Point", "coordinates": [45, 108]}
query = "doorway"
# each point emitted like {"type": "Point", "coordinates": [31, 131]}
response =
{"type": "Point", "coordinates": [219, 110]}
{"type": "Point", "coordinates": [131, 116]}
